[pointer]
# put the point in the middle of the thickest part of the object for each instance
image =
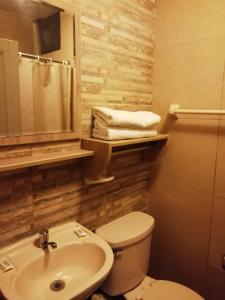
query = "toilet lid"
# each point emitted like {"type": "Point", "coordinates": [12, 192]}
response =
{"type": "Point", "coordinates": [126, 230]}
{"type": "Point", "coordinates": [162, 289]}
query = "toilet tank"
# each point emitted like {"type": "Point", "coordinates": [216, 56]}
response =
{"type": "Point", "coordinates": [130, 239]}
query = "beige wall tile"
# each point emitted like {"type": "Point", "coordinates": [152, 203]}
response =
{"type": "Point", "coordinates": [179, 268]}
{"type": "Point", "coordinates": [190, 75]}
{"type": "Point", "coordinates": [182, 221]}
{"type": "Point", "coordinates": [220, 168]}
{"type": "Point", "coordinates": [180, 21]}
{"type": "Point", "coordinates": [217, 241]}
{"type": "Point", "coordinates": [189, 70]}
{"type": "Point", "coordinates": [189, 162]}
{"type": "Point", "coordinates": [216, 284]}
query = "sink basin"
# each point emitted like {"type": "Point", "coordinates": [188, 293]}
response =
{"type": "Point", "coordinates": [67, 267]}
{"type": "Point", "coordinates": [74, 270]}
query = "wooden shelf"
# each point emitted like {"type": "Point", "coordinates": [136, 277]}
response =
{"type": "Point", "coordinates": [95, 166]}
{"type": "Point", "coordinates": [98, 154]}
{"type": "Point", "coordinates": [120, 143]}
{"type": "Point", "coordinates": [42, 159]}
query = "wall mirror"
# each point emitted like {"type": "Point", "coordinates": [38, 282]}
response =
{"type": "Point", "coordinates": [39, 71]}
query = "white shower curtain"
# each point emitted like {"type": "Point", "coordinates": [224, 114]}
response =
{"type": "Point", "coordinates": [45, 92]}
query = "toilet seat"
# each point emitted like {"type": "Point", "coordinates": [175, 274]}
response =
{"type": "Point", "coordinates": [162, 289]}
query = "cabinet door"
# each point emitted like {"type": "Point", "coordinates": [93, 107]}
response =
{"type": "Point", "coordinates": [10, 124]}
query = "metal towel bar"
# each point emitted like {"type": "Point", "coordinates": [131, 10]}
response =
{"type": "Point", "coordinates": [174, 109]}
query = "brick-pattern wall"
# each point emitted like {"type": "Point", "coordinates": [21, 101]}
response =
{"type": "Point", "coordinates": [44, 196]}
{"type": "Point", "coordinates": [117, 43]}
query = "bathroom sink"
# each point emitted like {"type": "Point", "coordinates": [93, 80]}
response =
{"type": "Point", "coordinates": [66, 267]}
{"type": "Point", "coordinates": [74, 270]}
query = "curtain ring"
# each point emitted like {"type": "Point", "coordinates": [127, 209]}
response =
{"type": "Point", "coordinates": [38, 58]}
{"type": "Point", "coordinates": [65, 63]}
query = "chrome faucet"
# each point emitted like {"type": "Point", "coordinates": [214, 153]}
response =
{"type": "Point", "coordinates": [43, 240]}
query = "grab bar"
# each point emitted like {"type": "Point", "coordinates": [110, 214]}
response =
{"type": "Point", "coordinates": [174, 109]}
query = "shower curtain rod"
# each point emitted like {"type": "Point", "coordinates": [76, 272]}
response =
{"type": "Point", "coordinates": [174, 109]}
{"type": "Point", "coordinates": [42, 58]}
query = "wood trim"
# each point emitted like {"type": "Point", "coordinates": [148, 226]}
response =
{"type": "Point", "coordinates": [127, 142]}
{"type": "Point", "coordinates": [10, 71]}
{"type": "Point", "coordinates": [77, 113]}
{"type": "Point", "coordinates": [63, 4]}
{"type": "Point", "coordinates": [97, 165]}
{"type": "Point", "coordinates": [42, 159]}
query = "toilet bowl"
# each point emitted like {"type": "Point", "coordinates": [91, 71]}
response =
{"type": "Point", "coordinates": [130, 239]}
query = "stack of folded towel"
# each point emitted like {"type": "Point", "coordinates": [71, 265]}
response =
{"type": "Point", "coordinates": [111, 124]}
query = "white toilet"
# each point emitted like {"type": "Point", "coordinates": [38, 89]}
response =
{"type": "Point", "coordinates": [130, 239]}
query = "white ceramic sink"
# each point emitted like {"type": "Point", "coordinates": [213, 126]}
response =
{"type": "Point", "coordinates": [74, 270]}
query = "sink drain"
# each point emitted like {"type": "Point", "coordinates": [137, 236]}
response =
{"type": "Point", "coordinates": [57, 285]}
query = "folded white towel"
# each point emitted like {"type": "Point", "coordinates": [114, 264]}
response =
{"type": "Point", "coordinates": [122, 118]}
{"type": "Point", "coordinates": [100, 124]}
{"type": "Point", "coordinates": [105, 133]}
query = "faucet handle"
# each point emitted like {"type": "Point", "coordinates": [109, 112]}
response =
{"type": "Point", "coordinates": [43, 238]}
{"type": "Point", "coordinates": [43, 231]}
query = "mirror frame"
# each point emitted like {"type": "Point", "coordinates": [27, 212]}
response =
{"type": "Point", "coordinates": [76, 133]}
